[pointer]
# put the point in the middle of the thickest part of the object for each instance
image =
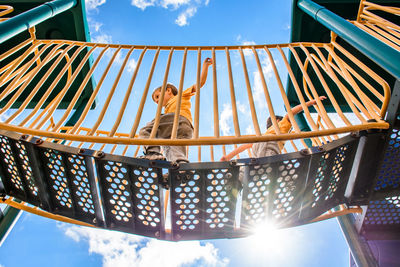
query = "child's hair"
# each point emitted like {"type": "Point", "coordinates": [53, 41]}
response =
{"type": "Point", "coordinates": [269, 122]}
{"type": "Point", "coordinates": [169, 85]}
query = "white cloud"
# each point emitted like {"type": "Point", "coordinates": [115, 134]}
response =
{"type": "Point", "coordinates": [4, 117]}
{"type": "Point", "coordinates": [182, 19]}
{"type": "Point", "coordinates": [258, 88]}
{"type": "Point", "coordinates": [102, 38]}
{"type": "Point", "coordinates": [250, 130]}
{"type": "Point", "coordinates": [119, 249]}
{"type": "Point", "coordinates": [225, 118]}
{"type": "Point", "coordinates": [142, 4]}
{"type": "Point", "coordinates": [131, 65]}
{"type": "Point", "coordinates": [93, 4]}
{"type": "Point", "coordinates": [206, 2]}
{"type": "Point", "coordinates": [174, 3]}
{"type": "Point", "coordinates": [248, 52]}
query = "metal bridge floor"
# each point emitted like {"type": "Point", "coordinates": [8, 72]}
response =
{"type": "Point", "coordinates": [207, 200]}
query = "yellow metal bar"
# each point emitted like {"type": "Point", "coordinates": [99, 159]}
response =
{"type": "Point", "coordinates": [179, 100]}
{"type": "Point", "coordinates": [65, 89]}
{"type": "Point", "coordinates": [233, 97]}
{"type": "Point", "coordinates": [96, 91]}
{"type": "Point", "coordinates": [36, 211]}
{"type": "Point", "coordinates": [197, 101]}
{"type": "Point", "coordinates": [266, 92]}
{"type": "Point", "coordinates": [182, 48]}
{"type": "Point", "coordinates": [334, 214]}
{"type": "Point", "coordinates": [127, 95]}
{"type": "Point", "coordinates": [215, 94]}
{"type": "Point", "coordinates": [250, 95]}
{"type": "Point", "coordinates": [39, 84]}
{"type": "Point", "coordinates": [80, 90]}
{"type": "Point", "coordinates": [377, 78]}
{"type": "Point", "coordinates": [49, 90]}
{"type": "Point", "coordinates": [144, 96]}
{"type": "Point", "coordinates": [11, 87]}
{"type": "Point", "coordinates": [111, 93]}
{"type": "Point", "coordinates": [299, 95]}
{"type": "Point", "coordinates": [195, 142]}
{"type": "Point", "coordinates": [161, 98]}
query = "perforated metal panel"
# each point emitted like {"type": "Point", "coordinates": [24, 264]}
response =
{"type": "Point", "coordinates": [274, 192]}
{"type": "Point", "coordinates": [131, 197]}
{"type": "Point", "coordinates": [203, 201]}
{"type": "Point", "coordinates": [389, 174]}
{"type": "Point", "coordinates": [12, 178]}
{"type": "Point", "coordinates": [382, 220]}
{"type": "Point", "coordinates": [328, 177]}
{"type": "Point", "coordinates": [288, 189]}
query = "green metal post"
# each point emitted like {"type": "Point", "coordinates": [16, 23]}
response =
{"type": "Point", "coordinates": [8, 221]}
{"type": "Point", "coordinates": [359, 248]}
{"type": "Point", "coordinates": [382, 54]}
{"type": "Point", "coordinates": [28, 19]}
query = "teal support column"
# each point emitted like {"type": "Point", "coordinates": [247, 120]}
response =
{"type": "Point", "coordinates": [359, 248]}
{"type": "Point", "coordinates": [382, 54]}
{"type": "Point", "coordinates": [28, 19]}
{"type": "Point", "coordinates": [8, 221]}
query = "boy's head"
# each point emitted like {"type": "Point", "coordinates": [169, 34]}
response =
{"type": "Point", "coordinates": [170, 91]}
{"type": "Point", "coordinates": [269, 122]}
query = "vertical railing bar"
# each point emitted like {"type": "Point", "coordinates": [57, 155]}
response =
{"type": "Point", "coordinates": [65, 89]}
{"type": "Point", "coordinates": [18, 47]}
{"type": "Point", "coordinates": [125, 150]}
{"type": "Point", "coordinates": [199, 153]}
{"type": "Point", "coordinates": [250, 95]}
{"type": "Point", "coordinates": [179, 98]}
{"type": "Point", "coordinates": [80, 90]}
{"type": "Point", "coordinates": [383, 83]}
{"type": "Point", "coordinates": [38, 86]}
{"type": "Point", "coordinates": [18, 92]}
{"type": "Point", "coordinates": [283, 93]}
{"type": "Point", "coordinates": [360, 10]}
{"type": "Point", "coordinates": [197, 102]}
{"type": "Point", "coordinates": [306, 78]}
{"type": "Point", "coordinates": [127, 95]}
{"type": "Point", "coordinates": [161, 98]}
{"type": "Point", "coordinates": [299, 95]}
{"type": "Point", "coordinates": [350, 80]}
{"type": "Point", "coordinates": [54, 102]}
{"type": "Point", "coordinates": [232, 91]}
{"type": "Point", "coordinates": [266, 93]}
{"type": "Point", "coordinates": [215, 94]}
{"type": "Point", "coordinates": [11, 86]}
{"type": "Point", "coordinates": [111, 93]}
{"type": "Point", "coordinates": [144, 96]}
{"type": "Point", "coordinates": [344, 73]}
{"type": "Point", "coordinates": [95, 91]}
{"type": "Point", "coordinates": [365, 99]}
{"type": "Point", "coordinates": [212, 151]}
{"type": "Point", "coordinates": [314, 91]}
{"type": "Point", "coordinates": [20, 59]}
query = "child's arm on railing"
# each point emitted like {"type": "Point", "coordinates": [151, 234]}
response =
{"type": "Point", "coordinates": [236, 151]}
{"type": "Point", "coordinates": [299, 108]}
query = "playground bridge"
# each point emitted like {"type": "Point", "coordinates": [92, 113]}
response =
{"type": "Point", "coordinates": [67, 159]}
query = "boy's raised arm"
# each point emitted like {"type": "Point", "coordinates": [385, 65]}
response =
{"type": "Point", "coordinates": [299, 108]}
{"type": "Point", "coordinates": [204, 72]}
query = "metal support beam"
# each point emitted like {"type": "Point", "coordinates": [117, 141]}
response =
{"type": "Point", "coordinates": [361, 252]}
{"type": "Point", "coordinates": [382, 54]}
{"type": "Point", "coordinates": [8, 221]}
{"type": "Point", "coordinates": [28, 19]}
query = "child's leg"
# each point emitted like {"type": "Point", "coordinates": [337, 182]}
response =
{"type": "Point", "coordinates": [178, 153]}
{"type": "Point", "coordinates": [145, 133]}
{"type": "Point", "coordinates": [266, 149]}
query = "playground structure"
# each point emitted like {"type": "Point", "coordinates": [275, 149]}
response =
{"type": "Point", "coordinates": [62, 161]}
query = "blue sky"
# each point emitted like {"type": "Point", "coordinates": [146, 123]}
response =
{"type": "Point", "coordinates": [37, 241]}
